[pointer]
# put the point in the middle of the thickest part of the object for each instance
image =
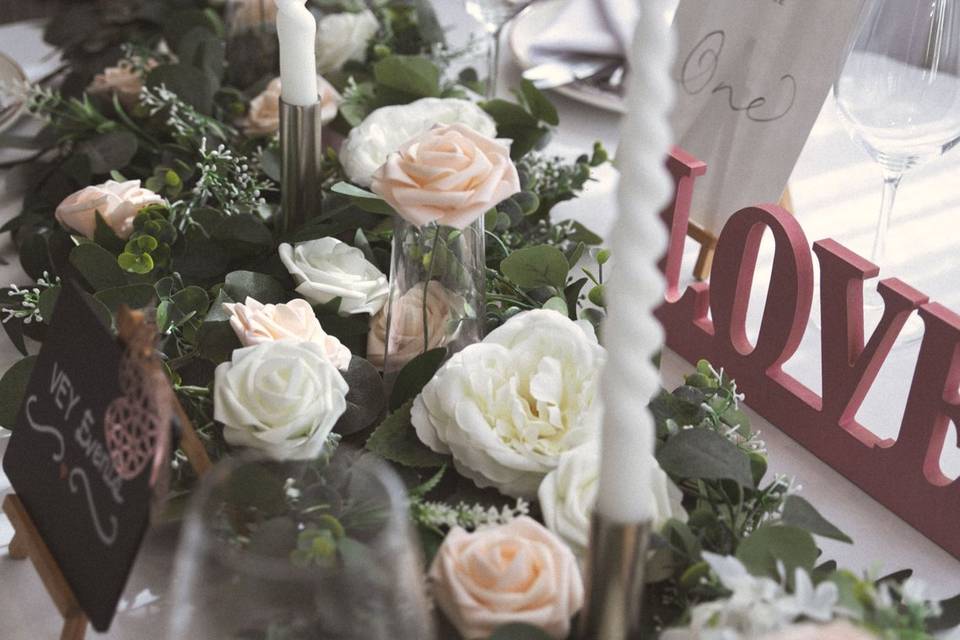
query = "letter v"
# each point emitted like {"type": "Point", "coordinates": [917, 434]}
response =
{"type": "Point", "coordinates": [848, 367]}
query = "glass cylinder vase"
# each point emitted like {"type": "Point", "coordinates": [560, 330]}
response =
{"type": "Point", "coordinates": [437, 283]}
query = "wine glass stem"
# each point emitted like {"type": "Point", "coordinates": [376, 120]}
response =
{"type": "Point", "coordinates": [891, 180]}
{"type": "Point", "coordinates": [493, 63]}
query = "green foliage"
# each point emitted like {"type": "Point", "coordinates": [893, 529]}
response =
{"type": "Point", "coordinates": [534, 267]}
{"type": "Point", "coordinates": [700, 454]}
{"type": "Point", "coordinates": [396, 440]}
{"type": "Point", "coordinates": [13, 385]}
{"type": "Point", "coordinates": [415, 375]}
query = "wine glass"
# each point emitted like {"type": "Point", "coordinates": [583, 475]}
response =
{"type": "Point", "coordinates": [493, 15]}
{"type": "Point", "coordinates": [299, 550]}
{"type": "Point", "coordinates": [899, 97]}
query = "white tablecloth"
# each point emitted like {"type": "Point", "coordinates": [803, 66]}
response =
{"type": "Point", "coordinates": [836, 193]}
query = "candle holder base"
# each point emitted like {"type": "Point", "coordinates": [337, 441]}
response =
{"type": "Point", "coordinates": [301, 158]}
{"type": "Point", "coordinates": [615, 572]}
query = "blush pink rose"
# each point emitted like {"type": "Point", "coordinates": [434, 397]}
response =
{"type": "Point", "coordinates": [450, 175]}
{"type": "Point", "coordinates": [516, 572]}
{"type": "Point", "coordinates": [255, 323]}
{"type": "Point", "coordinates": [263, 117]}
{"type": "Point", "coordinates": [406, 335]}
{"type": "Point", "coordinates": [125, 80]}
{"type": "Point", "coordinates": [117, 202]}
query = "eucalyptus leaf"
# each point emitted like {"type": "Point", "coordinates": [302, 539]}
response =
{"type": "Point", "coordinates": [109, 151]}
{"type": "Point", "coordinates": [193, 85]}
{"type": "Point", "coordinates": [414, 75]}
{"type": "Point", "coordinates": [396, 440]}
{"type": "Point", "coordinates": [771, 545]}
{"type": "Point", "coordinates": [46, 303]}
{"type": "Point", "coordinates": [365, 399]}
{"type": "Point", "coordinates": [538, 104]}
{"type": "Point", "coordinates": [706, 455]}
{"type": "Point", "coordinates": [798, 512]}
{"type": "Point", "coordinates": [97, 266]}
{"type": "Point", "coordinates": [415, 375]}
{"type": "Point", "coordinates": [263, 288]}
{"type": "Point", "coordinates": [13, 385]}
{"type": "Point", "coordinates": [539, 266]}
{"type": "Point", "coordinates": [519, 631]}
{"type": "Point", "coordinates": [135, 296]}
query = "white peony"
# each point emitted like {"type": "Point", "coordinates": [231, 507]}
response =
{"type": "Point", "coordinates": [389, 128]}
{"type": "Point", "coordinates": [568, 494]}
{"type": "Point", "coordinates": [507, 408]}
{"type": "Point", "coordinates": [281, 397]}
{"type": "Point", "coordinates": [342, 37]}
{"type": "Point", "coordinates": [327, 268]}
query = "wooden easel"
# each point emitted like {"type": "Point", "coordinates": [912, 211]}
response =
{"type": "Point", "coordinates": [136, 334]}
{"type": "Point", "coordinates": [708, 242]}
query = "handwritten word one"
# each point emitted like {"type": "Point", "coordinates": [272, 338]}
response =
{"type": "Point", "coordinates": [700, 69]}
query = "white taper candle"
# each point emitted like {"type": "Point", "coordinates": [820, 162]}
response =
{"type": "Point", "coordinates": [636, 286]}
{"type": "Point", "coordinates": [297, 31]}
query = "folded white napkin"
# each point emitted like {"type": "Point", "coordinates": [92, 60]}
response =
{"type": "Point", "coordinates": [590, 27]}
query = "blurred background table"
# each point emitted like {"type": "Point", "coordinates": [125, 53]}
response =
{"type": "Point", "coordinates": [835, 189]}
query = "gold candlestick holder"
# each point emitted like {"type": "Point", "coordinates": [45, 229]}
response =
{"type": "Point", "coordinates": [615, 572]}
{"type": "Point", "coordinates": [301, 156]}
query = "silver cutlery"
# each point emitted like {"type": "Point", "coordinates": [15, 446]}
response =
{"type": "Point", "coordinates": [568, 69]}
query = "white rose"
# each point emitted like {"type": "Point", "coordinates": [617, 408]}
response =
{"type": "Point", "coordinates": [255, 323]}
{"type": "Point", "coordinates": [327, 268]}
{"type": "Point", "coordinates": [507, 408]}
{"type": "Point", "coordinates": [388, 128]}
{"type": "Point", "coordinates": [118, 203]}
{"type": "Point", "coordinates": [568, 494]}
{"type": "Point", "coordinates": [515, 572]}
{"type": "Point", "coordinates": [282, 398]}
{"type": "Point", "coordinates": [342, 37]}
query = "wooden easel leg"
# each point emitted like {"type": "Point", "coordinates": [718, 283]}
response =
{"type": "Point", "coordinates": [18, 547]}
{"type": "Point", "coordinates": [74, 627]}
{"type": "Point", "coordinates": [701, 270]}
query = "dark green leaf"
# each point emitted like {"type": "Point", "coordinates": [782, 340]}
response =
{"type": "Point", "coordinates": [770, 545]}
{"type": "Point", "coordinates": [533, 267]}
{"type": "Point", "coordinates": [538, 103]}
{"type": "Point", "coordinates": [194, 86]}
{"type": "Point", "coordinates": [46, 303]}
{"type": "Point", "coordinates": [519, 631]}
{"type": "Point", "coordinates": [415, 375]}
{"type": "Point", "coordinates": [252, 485]}
{"type": "Point", "coordinates": [415, 75]}
{"type": "Point", "coordinates": [797, 512]}
{"type": "Point", "coordinates": [97, 266]}
{"type": "Point", "coordinates": [13, 384]}
{"type": "Point", "coordinates": [949, 618]}
{"type": "Point", "coordinates": [105, 236]}
{"type": "Point", "coordinates": [135, 296]}
{"type": "Point", "coordinates": [365, 400]}
{"type": "Point", "coordinates": [216, 339]}
{"type": "Point", "coordinates": [109, 151]}
{"type": "Point", "coordinates": [396, 440]}
{"type": "Point", "coordinates": [363, 199]}
{"type": "Point", "coordinates": [259, 286]}
{"type": "Point", "coordinates": [704, 454]}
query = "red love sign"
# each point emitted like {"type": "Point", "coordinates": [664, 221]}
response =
{"type": "Point", "coordinates": [902, 474]}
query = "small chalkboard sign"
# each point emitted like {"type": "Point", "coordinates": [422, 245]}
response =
{"type": "Point", "coordinates": [80, 456]}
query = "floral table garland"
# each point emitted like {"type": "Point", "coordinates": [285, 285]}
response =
{"type": "Point", "coordinates": [154, 182]}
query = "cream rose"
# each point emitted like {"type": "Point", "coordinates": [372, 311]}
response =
{"type": "Point", "coordinates": [327, 268]}
{"type": "Point", "coordinates": [342, 37]}
{"type": "Point", "coordinates": [507, 408]}
{"type": "Point", "coordinates": [281, 397]}
{"type": "Point", "coordinates": [516, 572]}
{"type": "Point", "coordinates": [388, 128]}
{"type": "Point", "coordinates": [255, 323]}
{"type": "Point", "coordinates": [450, 175]}
{"type": "Point", "coordinates": [124, 80]}
{"type": "Point", "coordinates": [568, 494]}
{"type": "Point", "coordinates": [263, 117]}
{"type": "Point", "coordinates": [406, 335]}
{"type": "Point", "coordinates": [117, 202]}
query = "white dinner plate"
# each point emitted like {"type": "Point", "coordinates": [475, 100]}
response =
{"type": "Point", "coordinates": [523, 32]}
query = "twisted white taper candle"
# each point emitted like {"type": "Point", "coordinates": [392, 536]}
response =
{"type": "Point", "coordinates": [632, 334]}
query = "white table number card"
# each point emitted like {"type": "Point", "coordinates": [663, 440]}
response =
{"type": "Point", "coordinates": [752, 76]}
